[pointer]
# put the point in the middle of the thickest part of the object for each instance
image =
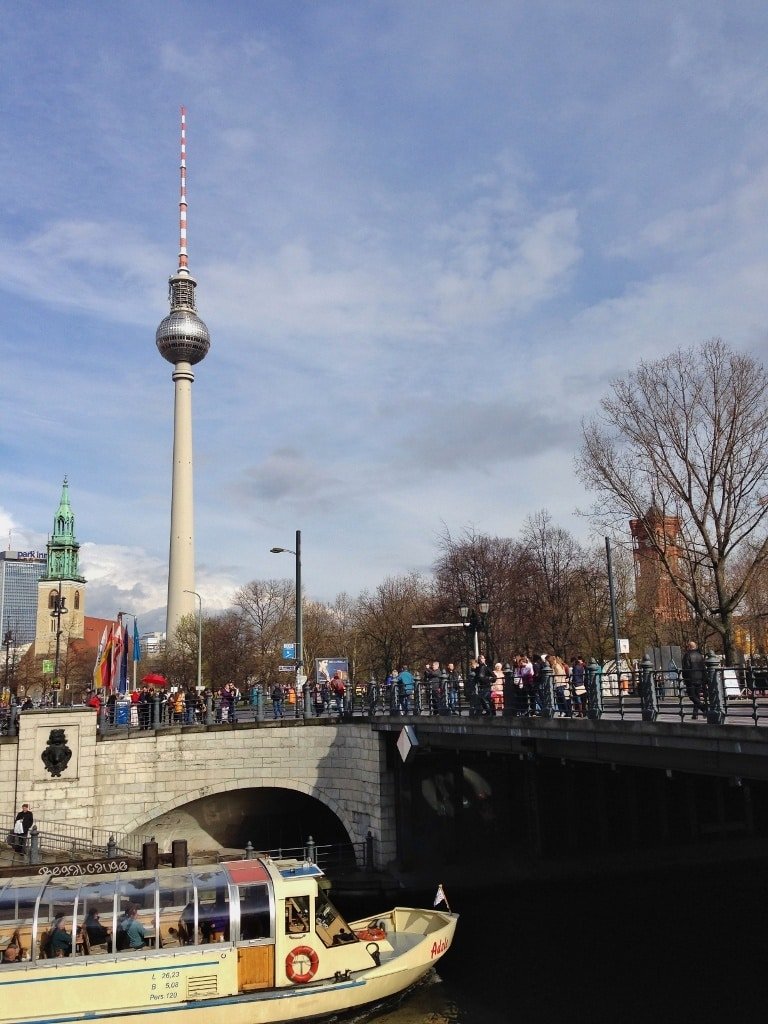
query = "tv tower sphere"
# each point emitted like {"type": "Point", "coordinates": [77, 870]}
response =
{"type": "Point", "coordinates": [182, 337]}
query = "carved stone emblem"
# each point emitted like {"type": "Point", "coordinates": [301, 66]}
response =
{"type": "Point", "coordinates": [57, 754]}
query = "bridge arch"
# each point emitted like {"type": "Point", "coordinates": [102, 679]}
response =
{"type": "Point", "coordinates": [234, 813]}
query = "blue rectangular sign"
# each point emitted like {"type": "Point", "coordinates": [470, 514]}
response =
{"type": "Point", "coordinates": [289, 651]}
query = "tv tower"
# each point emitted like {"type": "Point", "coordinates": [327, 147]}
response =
{"type": "Point", "coordinates": [182, 338]}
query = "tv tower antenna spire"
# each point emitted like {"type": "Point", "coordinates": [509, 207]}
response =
{"type": "Point", "coordinates": [183, 265]}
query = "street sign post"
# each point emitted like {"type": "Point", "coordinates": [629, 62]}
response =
{"type": "Point", "coordinates": [286, 668]}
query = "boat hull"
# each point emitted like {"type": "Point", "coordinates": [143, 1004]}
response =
{"type": "Point", "coordinates": [201, 985]}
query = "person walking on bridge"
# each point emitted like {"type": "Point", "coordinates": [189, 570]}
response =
{"type": "Point", "coordinates": [694, 676]}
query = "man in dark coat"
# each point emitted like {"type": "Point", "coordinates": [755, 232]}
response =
{"type": "Point", "coordinates": [21, 825]}
{"type": "Point", "coordinates": [694, 676]}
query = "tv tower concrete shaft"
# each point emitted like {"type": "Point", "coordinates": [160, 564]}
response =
{"type": "Point", "coordinates": [181, 555]}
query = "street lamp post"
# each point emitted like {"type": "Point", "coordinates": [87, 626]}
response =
{"type": "Point", "coordinates": [59, 609]}
{"type": "Point", "coordinates": [299, 625]}
{"type": "Point", "coordinates": [7, 644]}
{"type": "Point", "coordinates": [199, 638]}
{"type": "Point", "coordinates": [477, 621]}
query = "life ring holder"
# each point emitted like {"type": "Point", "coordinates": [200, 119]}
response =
{"type": "Point", "coordinates": [301, 952]}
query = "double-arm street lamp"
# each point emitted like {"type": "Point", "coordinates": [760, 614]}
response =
{"type": "Point", "coordinates": [299, 629]}
{"type": "Point", "coordinates": [476, 620]}
{"type": "Point", "coordinates": [199, 638]}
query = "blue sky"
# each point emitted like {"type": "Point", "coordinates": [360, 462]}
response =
{"type": "Point", "coordinates": [426, 235]}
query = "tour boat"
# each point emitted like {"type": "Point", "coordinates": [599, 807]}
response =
{"type": "Point", "coordinates": [242, 942]}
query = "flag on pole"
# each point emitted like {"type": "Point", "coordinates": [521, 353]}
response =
{"type": "Point", "coordinates": [102, 673]}
{"type": "Point", "coordinates": [440, 897]}
{"type": "Point", "coordinates": [122, 679]}
{"type": "Point", "coordinates": [117, 653]}
{"type": "Point", "coordinates": [136, 641]}
{"type": "Point", "coordinates": [99, 655]}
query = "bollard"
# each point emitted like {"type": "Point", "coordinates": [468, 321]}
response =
{"type": "Point", "coordinates": [156, 712]}
{"type": "Point", "coordinates": [149, 855]}
{"type": "Point", "coordinates": [34, 855]}
{"type": "Point", "coordinates": [417, 694]}
{"type": "Point", "coordinates": [250, 853]}
{"type": "Point", "coordinates": [369, 851]}
{"type": "Point", "coordinates": [111, 847]}
{"type": "Point", "coordinates": [649, 702]}
{"type": "Point", "coordinates": [179, 853]}
{"type": "Point", "coordinates": [258, 703]}
{"type": "Point", "coordinates": [715, 691]}
{"type": "Point", "coordinates": [310, 850]}
{"type": "Point", "coordinates": [308, 711]}
{"type": "Point", "coordinates": [595, 690]}
{"type": "Point", "coordinates": [208, 708]}
{"type": "Point", "coordinates": [13, 721]}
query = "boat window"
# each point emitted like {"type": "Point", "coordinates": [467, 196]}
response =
{"type": "Point", "coordinates": [254, 912]}
{"type": "Point", "coordinates": [329, 924]}
{"type": "Point", "coordinates": [177, 907]}
{"type": "Point", "coordinates": [213, 905]}
{"type": "Point", "coordinates": [56, 922]}
{"type": "Point", "coordinates": [296, 915]}
{"type": "Point", "coordinates": [17, 911]}
{"type": "Point", "coordinates": [96, 914]}
{"type": "Point", "coordinates": [139, 891]}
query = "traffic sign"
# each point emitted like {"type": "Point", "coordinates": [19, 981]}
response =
{"type": "Point", "coordinates": [286, 668]}
{"type": "Point", "coordinates": [289, 651]}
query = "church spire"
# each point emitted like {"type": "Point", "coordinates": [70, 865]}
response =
{"type": "Point", "coordinates": [63, 549]}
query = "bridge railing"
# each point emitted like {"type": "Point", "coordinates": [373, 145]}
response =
{"type": "Point", "coordinates": [79, 841]}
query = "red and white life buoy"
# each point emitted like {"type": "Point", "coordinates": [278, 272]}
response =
{"type": "Point", "coordinates": [301, 964]}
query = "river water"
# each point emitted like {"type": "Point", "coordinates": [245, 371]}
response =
{"type": "Point", "coordinates": [676, 945]}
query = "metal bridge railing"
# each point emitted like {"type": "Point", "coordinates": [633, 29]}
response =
{"type": "Point", "coordinates": [79, 841]}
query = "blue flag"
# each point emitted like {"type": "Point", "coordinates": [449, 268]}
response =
{"type": "Point", "coordinates": [136, 642]}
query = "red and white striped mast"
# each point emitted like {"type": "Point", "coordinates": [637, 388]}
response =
{"type": "Point", "coordinates": [183, 265]}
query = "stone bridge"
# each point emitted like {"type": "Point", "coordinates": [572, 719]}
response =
{"type": "Point", "coordinates": [211, 785]}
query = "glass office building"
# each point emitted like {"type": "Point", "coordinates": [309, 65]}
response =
{"type": "Point", "coordinates": [19, 575]}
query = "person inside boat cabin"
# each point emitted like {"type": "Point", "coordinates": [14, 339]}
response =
{"type": "Point", "coordinates": [131, 934]}
{"type": "Point", "coordinates": [14, 951]}
{"type": "Point", "coordinates": [97, 933]}
{"type": "Point", "coordinates": [59, 941]}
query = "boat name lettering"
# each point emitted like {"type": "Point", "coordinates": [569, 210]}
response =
{"type": "Point", "coordinates": [438, 948]}
{"type": "Point", "coordinates": [94, 868]}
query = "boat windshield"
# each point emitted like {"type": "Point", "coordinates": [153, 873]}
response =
{"type": "Point", "coordinates": [329, 924]}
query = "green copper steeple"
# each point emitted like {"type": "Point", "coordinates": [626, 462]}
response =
{"type": "Point", "coordinates": [62, 547]}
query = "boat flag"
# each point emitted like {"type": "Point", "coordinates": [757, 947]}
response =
{"type": "Point", "coordinates": [440, 897]}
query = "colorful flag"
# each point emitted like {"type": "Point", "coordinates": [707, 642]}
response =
{"type": "Point", "coordinates": [99, 656]}
{"type": "Point", "coordinates": [136, 641]}
{"type": "Point", "coordinates": [122, 679]}
{"type": "Point", "coordinates": [117, 653]}
{"type": "Point", "coordinates": [102, 674]}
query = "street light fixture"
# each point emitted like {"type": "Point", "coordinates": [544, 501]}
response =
{"type": "Point", "coordinates": [299, 626]}
{"type": "Point", "coordinates": [199, 638]}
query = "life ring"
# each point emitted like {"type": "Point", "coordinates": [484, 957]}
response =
{"type": "Point", "coordinates": [302, 954]}
{"type": "Point", "coordinates": [371, 934]}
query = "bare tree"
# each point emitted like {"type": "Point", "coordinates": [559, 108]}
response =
{"type": "Point", "coordinates": [384, 623]}
{"type": "Point", "coordinates": [686, 437]}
